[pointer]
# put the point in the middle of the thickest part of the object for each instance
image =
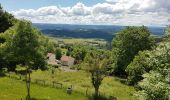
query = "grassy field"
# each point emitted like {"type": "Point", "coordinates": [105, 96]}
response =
{"type": "Point", "coordinates": [11, 89]}
{"type": "Point", "coordinates": [78, 41]}
{"type": "Point", "coordinates": [81, 83]}
{"type": "Point", "coordinates": [80, 80]}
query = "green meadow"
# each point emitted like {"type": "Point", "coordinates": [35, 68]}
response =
{"type": "Point", "coordinates": [12, 89]}
{"type": "Point", "coordinates": [79, 80]}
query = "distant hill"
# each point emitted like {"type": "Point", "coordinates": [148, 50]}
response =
{"type": "Point", "coordinates": [106, 32]}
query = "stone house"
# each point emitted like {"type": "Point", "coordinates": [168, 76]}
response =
{"type": "Point", "coordinates": [67, 60]}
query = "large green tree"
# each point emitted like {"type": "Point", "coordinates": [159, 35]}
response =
{"type": "Point", "coordinates": [27, 49]}
{"type": "Point", "coordinates": [148, 60]}
{"type": "Point", "coordinates": [156, 83]}
{"type": "Point", "coordinates": [127, 43]}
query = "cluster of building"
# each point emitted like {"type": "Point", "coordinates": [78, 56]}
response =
{"type": "Point", "coordinates": [65, 60]}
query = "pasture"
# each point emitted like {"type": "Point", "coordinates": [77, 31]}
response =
{"type": "Point", "coordinates": [81, 83]}
{"type": "Point", "coordinates": [12, 89]}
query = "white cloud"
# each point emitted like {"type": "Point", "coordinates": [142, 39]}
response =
{"type": "Point", "coordinates": [122, 12]}
{"type": "Point", "coordinates": [80, 9]}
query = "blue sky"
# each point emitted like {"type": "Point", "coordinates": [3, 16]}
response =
{"type": "Point", "coordinates": [98, 12]}
{"type": "Point", "coordinates": [13, 5]}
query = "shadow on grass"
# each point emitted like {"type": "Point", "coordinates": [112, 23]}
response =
{"type": "Point", "coordinates": [2, 74]}
{"type": "Point", "coordinates": [93, 97]}
{"type": "Point", "coordinates": [32, 98]}
{"type": "Point", "coordinates": [121, 80]}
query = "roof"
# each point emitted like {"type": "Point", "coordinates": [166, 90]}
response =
{"type": "Point", "coordinates": [49, 54]}
{"type": "Point", "coordinates": [66, 58]}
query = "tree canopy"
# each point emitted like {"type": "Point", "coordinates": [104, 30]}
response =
{"type": "Point", "coordinates": [127, 43]}
{"type": "Point", "coordinates": [6, 20]}
{"type": "Point", "coordinates": [96, 63]}
{"type": "Point", "coordinates": [79, 52]}
{"type": "Point", "coordinates": [155, 86]}
{"type": "Point", "coordinates": [58, 53]}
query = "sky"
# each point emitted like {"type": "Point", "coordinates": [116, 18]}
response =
{"type": "Point", "coordinates": [98, 12]}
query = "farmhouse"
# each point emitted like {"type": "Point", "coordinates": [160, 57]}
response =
{"type": "Point", "coordinates": [67, 61]}
{"type": "Point", "coordinates": [51, 59]}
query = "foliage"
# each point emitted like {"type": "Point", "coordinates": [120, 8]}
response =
{"type": "Point", "coordinates": [127, 43]}
{"type": "Point", "coordinates": [155, 66]}
{"type": "Point", "coordinates": [138, 67]}
{"type": "Point", "coordinates": [6, 20]}
{"type": "Point", "coordinates": [68, 53]}
{"type": "Point", "coordinates": [96, 63]}
{"type": "Point", "coordinates": [7, 57]}
{"type": "Point", "coordinates": [167, 30]}
{"type": "Point", "coordinates": [26, 47]}
{"type": "Point", "coordinates": [155, 86]}
{"type": "Point", "coordinates": [58, 53]}
{"type": "Point", "coordinates": [79, 52]}
{"type": "Point", "coordinates": [8, 49]}
{"type": "Point", "coordinates": [167, 34]}
{"type": "Point", "coordinates": [3, 62]}
{"type": "Point", "coordinates": [155, 59]}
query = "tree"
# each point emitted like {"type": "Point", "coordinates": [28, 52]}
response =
{"type": "Point", "coordinates": [138, 67]}
{"type": "Point", "coordinates": [2, 59]}
{"type": "Point", "coordinates": [147, 61]}
{"type": "Point", "coordinates": [167, 34]}
{"type": "Point", "coordinates": [26, 47]}
{"type": "Point", "coordinates": [155, 86]}
{"type": "Point", "coordinates": [58, 53]}
{"type": "Point", "coordinates": [155, 65]}
{"type": "Point", "coordinates": [79, 53]}
{"type": "Point", "coordinates": [96, 63]}
{"type": "Point", "coordinates": [6, 20]}
{"type": "Point", "coordinates": [127, 43]}
{"type": "Point", "coordinates": [68, 53]}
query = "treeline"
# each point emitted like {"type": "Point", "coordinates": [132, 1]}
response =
{"type": "Point", "coordinates": [86, 34]}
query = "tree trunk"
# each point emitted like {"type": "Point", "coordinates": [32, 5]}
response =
{"type": "Point", "coordinates": [96, 93]}
{"type": "Point", "coordinates": [28, 79]}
